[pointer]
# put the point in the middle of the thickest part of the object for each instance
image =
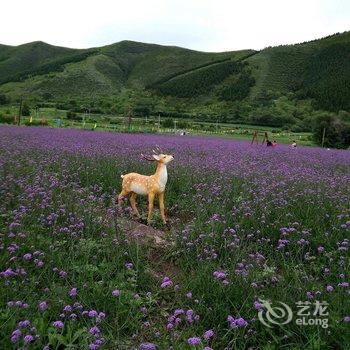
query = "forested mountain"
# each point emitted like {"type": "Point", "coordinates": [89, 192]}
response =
{"type": "Point", "coordinates": [277, 86]}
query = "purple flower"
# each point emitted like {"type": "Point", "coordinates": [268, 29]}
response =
{"type": "Point", "coordinates": [208, 334]}
{"type": "Point", "coordinates": [93, 313]}
{"type": "Point", "coordinates": [194, 341]}
{"type": "Point", "coordinates": [27, 256]}
{"type": "Point", "coordinates": [58, 324]}
{"type": "Point", "coordinates": [147, 346]}
{"type": "Point", "coordinates": [178, 312]}
{"type": "Point", "coordinates": [116, 293]}
{"type": "Point", "coordinates": [346, 319]}
{"type": "Point", "coordinates": [15, 335]}
{"type": "Point", "coordinates": [73, 292]}
{"type": "Point", "coordinates": [258, 306]}
{"type": "Point", "coordinates": [320, 249]}
{"type": "Point", "coordinates": [68, 308]}
{"type": "Point", "coordinates": [43, 306]}
{"type": "Point", "coordinates": [28, 338]}
{"type": "Point", "coordinates": [94, 330]}
{"type": "Point", "coordinates": [62, 274]}
{"type": "Point", "coordinates": [330, 288]}
{"type": "Point", "coordinates": [241, 322]}
{"type": "Point", "coordinates": [23, 324]}
{"type": "Point", "coordinates": [167, 282]}
{"type": "Point", "coordinates": [129, 266]}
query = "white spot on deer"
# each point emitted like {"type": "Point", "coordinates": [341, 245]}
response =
{"type": "Point", "coordinates": [139, 189]}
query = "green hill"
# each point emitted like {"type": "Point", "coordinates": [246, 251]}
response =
{"type": "Point", "coordinates": [287, 83]}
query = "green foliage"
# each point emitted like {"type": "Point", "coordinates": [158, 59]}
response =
{"type": "Point", "coordinates": [328, 78]}
{"type": "Point", "coordinates": [182, 124]}
{"type": "Point", "coordinates": [56, 65]}
{"type": "Point", "coordinates": [236, 88]}
{"type": "Point", "coordinates": [3, 99]}
{"type": "Point", "coordinates": [47, 96]}
{"type": "Point", "coordinates": [6, 119]}
{"type": "Point", "coordinates": [167, 123]}
{"type": "Point", "coordinates": [332, 131]}
{"type": "Point", "coordinates": [198, 81]}
{"type": "Point", "coordinates": [73, 116]}
{"type": "Point", "coordinates": [25, 109]}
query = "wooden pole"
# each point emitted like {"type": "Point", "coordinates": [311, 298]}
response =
{"type": "Point", "coordinates": [20, 111]}
{"type": "Point", "coordinates": [255, 137]}
{"type": "Point", "coordinates": [323, 136]}
{"type": "Point", "coordinates": [265, 138]}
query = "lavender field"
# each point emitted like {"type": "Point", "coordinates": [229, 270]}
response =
{"type": "Point", "coordinates": [247, 224]}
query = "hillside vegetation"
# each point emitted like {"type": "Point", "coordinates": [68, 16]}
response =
{"type": "Point", "coordinates": [285, 86]}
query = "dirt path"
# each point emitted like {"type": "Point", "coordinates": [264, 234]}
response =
{"type": "Point", "coordinates": [157, 242]}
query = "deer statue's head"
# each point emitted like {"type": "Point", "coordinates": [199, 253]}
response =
{"type": "Point", "coordinates": [159, 156]}
{"type": "Point", "coordinates": [163, 158]}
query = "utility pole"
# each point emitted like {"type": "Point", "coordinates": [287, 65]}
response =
{"type": "Point", "coordinates": [84, 118]}
{"type": "Point", "coordinates": [323, 136]}
{"type": "Point", "coordinates": [129, 118]}
{"type": "Point", "coordinates": [20, 111]}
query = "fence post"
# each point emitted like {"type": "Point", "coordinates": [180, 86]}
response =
{"type": "Point", "coordinates": [323, 136]}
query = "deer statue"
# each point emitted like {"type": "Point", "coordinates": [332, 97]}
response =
{"type": "Point", "coordinates": [147, 185]}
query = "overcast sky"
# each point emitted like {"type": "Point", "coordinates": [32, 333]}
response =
{"type": "Point", "coordinates": [207, 25]}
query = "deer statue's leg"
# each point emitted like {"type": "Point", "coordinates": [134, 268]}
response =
{"type": "Point", "coordinates": [161, 206]}
{"type": "Point", "coordinates": [150, 206]}
{"type": "Point", "coordinates": [133, 203]}
{"type": "Point", "coordinates": [122, 194]}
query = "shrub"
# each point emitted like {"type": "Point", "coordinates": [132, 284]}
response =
{"type": "Point", "coordinates": [25, 110]}
{"type": "Point", "coordinates": [6, 119]}
{"type": "Point", "coordinates": [167, 123]}
{"type": "Point", "coordinates": [73, 116]}
{"type": "Point", "coordinates": [3, 99]}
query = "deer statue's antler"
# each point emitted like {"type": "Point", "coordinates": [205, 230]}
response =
{"type": "Point", "coordinates": [157, 150]}
{"type": "Point", "coordinates": [149, 158]}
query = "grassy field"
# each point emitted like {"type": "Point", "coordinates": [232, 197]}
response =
{"type": "Point", "coordinates": [247, 225]}
{"type": "Point", "coordinates": [151, 125]}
